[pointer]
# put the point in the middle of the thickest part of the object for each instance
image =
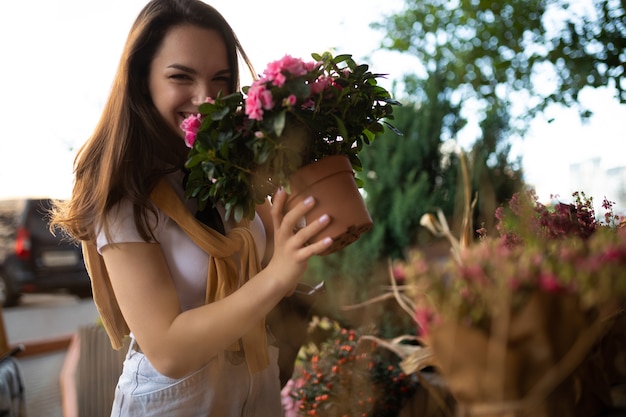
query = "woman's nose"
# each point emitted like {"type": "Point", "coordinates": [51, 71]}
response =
{"type": "Point", "coordinates": [198, 100]}
{"type": "Point", "coordinates": [201, 95]}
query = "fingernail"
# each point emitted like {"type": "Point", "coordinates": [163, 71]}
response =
{"type": "Point", "coordinates": [308, 201]}
{"type": "Point", "coordinates": [327, 240]}
{"type": "Point", "coordinates": [324, 218]}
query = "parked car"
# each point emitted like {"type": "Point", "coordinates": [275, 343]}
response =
{"type": "Point", "coordinates": [32, 259]}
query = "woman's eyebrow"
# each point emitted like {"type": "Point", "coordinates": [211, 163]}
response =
{"type": "Point", "coordinates": [180, 67]}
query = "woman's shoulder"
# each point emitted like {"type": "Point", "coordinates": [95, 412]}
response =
{"type": "Point", "coordinates": [122, 227]}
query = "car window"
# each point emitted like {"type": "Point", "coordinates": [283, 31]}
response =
{"type": "Point", "coordinates": [10, 211]}
{"type": "Point", "coordinates": [37, 219]}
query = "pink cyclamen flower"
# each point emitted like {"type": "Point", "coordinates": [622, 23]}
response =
{"type": "Point", "coordinates": [190, 126]}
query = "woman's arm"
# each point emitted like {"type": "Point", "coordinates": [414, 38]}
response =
{"type": "Point", "coordinates": [177, 342]}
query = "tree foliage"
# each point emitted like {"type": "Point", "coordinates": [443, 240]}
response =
{"type": "Point", "coordinates": [403, 178]}
{"type": "Point", "coordinates": [548, 50]}
{"type": "Point", "coordinates": [406, 177]}
{"type": "Point", "coordinates": [499, 63]}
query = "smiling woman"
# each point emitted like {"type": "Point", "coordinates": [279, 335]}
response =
{"type": "Point", "coordinates": [67, 53]}
{"type": "Point", "coordinates": [192, 296]}
{"type": "Point", "coordinates": [182, 68]}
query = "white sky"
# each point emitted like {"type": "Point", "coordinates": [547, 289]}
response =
{"type": "Point", "coordinates": [59, 57]}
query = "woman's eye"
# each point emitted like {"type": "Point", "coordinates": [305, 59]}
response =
{"type": "Point", "coordinates": [223, 80]}
{"type": "Point", "coordinates": [179, 77]}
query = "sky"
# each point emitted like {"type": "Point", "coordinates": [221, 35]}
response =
{"type": "Point", "coordinates": [59, 58]}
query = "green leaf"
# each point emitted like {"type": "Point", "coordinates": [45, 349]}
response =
{"type": "Point", "coordinates": [279, 122]}
{"type": "Point", "coordinates": [194, 160]}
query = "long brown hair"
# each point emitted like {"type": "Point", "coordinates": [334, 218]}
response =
{"type": "Point", "coordinates": [132, 146]}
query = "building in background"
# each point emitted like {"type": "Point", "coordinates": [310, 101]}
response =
{"type": "Point", "coordinates": [599, 181]}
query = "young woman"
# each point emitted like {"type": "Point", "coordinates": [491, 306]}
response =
{"type": "Point", "coordinates": [193, 300]}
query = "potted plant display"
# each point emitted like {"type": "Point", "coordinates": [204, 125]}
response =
{"type": "Point", "coordinates": [530, 322]}
{"type": "Point", "coordinates": [299, 124]}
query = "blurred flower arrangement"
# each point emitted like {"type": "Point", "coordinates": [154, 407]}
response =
{"type": "Point", "coordinates": [518, 324]}
{"type": "Point", "coordinates": [563, 250]}
{"type": "Point", "coordinates": [244, 145]}
{"type": "Point", "coordinates": [346, 375]}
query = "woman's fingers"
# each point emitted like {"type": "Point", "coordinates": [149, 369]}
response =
{"type": "Point", "coordinates": [287, 224]}
{"type": "Point", "coordinates": [310, 230]}
{"type": "Point", "coordinates": [278, 201]}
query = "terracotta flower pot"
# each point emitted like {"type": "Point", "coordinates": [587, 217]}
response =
{"type": "Point", "coordinates": [331, 182]}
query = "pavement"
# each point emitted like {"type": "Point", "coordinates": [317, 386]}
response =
{"type": "Point", "coordinates": [42, 317]}
{"type": "Point", "coordinates": [41, 384]}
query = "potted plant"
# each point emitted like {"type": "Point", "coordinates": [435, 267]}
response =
{"type": "Point", "coordinates": [528, 322]}
{"type": "Point", "coordinates": [344, 373]}
{"type": "Point", "coordinates": [298, 113]}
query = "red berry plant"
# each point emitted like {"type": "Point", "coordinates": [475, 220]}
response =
{"type": "Point", "coordinates": [348, 375]}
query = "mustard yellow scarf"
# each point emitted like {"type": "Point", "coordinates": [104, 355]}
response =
{"type": "Point", "coordinates": [222, 280]}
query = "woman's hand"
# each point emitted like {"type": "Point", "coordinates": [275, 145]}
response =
{"type": "Point", "coordinates": [291, 251]}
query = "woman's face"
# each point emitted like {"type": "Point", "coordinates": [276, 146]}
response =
{"type": "Point", "coordinates": [190, 65]}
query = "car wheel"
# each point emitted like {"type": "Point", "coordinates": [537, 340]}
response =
{"type": "Point", "coordinates": [8, 296]}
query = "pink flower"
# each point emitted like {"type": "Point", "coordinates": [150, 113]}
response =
{"type": "Point", "coordinates": [259, 99]}
{"type": "Point", "coordinates": [276, 70]}
{"type": "Point", "coordinates": [279, 79]}
{"type": "Point", "coordinates": [425, 318]}
{"type": "Point", "coordinates": [290, 100]}
{"type": "Point", "coordinates": [320, 84]}
{"type": "Point", "coordinates": [308, 104]}
{"type": "Point", "coordinates": [260, 96]}
{"type": "Point", "coordinates": [267, 100]}
{"type": "Point", "coordinates": [290, 405]}
{"type": "Point", "coordinates": [399, 274]}
{"type": "Point", "coordinates": [190, 126]}
{"type": "Point", "coordinates": [613, 254]}
{"type": "Point", "coordinates": [474, 273]}
{"type": "Point", "coordinates": [514, 284]}
{"type": "Point", "coordinates": [550, 283]}
{"type": "Point", "coordinates": [254, 103]}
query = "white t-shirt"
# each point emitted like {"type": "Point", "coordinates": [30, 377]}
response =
{"type": "Point", "coordinates": [222, 388]}
{"type": "Point", "coordinates": [188, 263]}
